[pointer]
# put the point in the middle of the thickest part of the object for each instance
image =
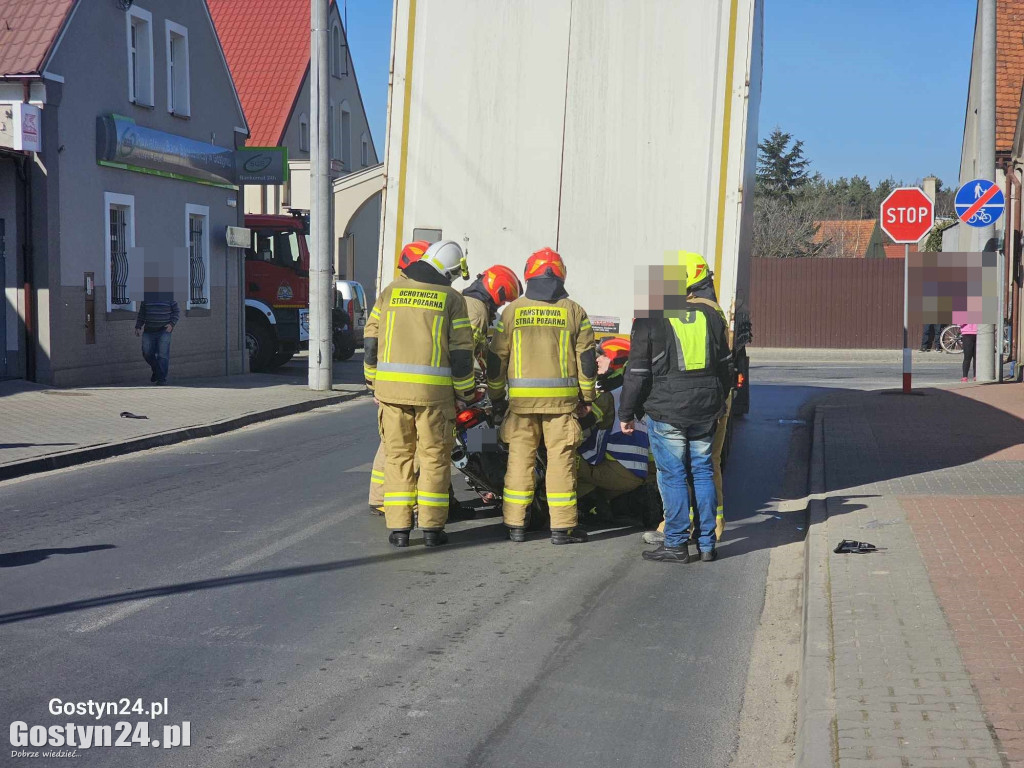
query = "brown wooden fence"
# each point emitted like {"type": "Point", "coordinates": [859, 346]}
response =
{"type": "Point", "coordinates": [829, 304]}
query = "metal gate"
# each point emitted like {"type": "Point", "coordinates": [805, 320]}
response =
{"type": "Point", "coordinates": [119, 256]}
{"type": "Point", "coordinates": [197, 261]}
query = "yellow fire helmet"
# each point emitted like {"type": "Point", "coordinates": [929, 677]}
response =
{"type": "Point", "coordinates": [696, 267]}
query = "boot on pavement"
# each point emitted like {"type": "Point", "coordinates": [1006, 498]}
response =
{"type": "Point", "coordinates": [517, 535]}
{"type": "Point", "coordinates": [399, 539]}
{"type": "Point", "coordinates": [663, 554]}
{"type": "Point", "coordinates": [435, 537]}
{"type": "Point", "coordinates": [572, 536]}
{"type": "Point", "coordinates": [709, 555]}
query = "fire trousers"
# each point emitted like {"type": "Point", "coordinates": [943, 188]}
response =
{"type": "Point", "coordinates": [561, 434]}
{"type": "Point", "coordinates": [377, 477]}
{"type": "Point", "coordinates": [411, 433]}
{"type": "Point", "coordinates": [609, 477]}
{"type": "Point", "coordinates": [716, 458]}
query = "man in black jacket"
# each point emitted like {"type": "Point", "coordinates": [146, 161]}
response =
{"type": "Point", "coordinates": [679, 374]}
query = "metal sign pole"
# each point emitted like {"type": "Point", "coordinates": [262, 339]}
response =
{"type": "Point", "coordinates": [906, 317]}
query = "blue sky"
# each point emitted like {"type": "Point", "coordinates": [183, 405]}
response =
{"type": "Point", "coordinates": [875, 88]}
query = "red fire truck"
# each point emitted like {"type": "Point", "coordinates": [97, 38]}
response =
{"type": "Point", "coordinates": [277, 293]}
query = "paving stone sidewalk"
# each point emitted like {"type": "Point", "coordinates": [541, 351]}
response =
{"type": "Point", "coordinates": [928, 633]}
{"type": "Point", "coordinates": [65, 425]}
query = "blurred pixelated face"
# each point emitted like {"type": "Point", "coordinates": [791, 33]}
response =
{"type": "Point", "coordinates": [158, 277]}
{"type": "Point", "coordinates": [954, 288]}
{"type": "Point", "coordinates": [660, 290]}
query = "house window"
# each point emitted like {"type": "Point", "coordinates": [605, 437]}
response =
{"type": "Point", "coordinates": [197, 221]}
{"type": "Point", "coordinates": [346, 136]}
{"type": "Point", "coordinates": [364, 150]}
{"type": "Point", "coordinates": [119, 211]}
{"type": "Point", "coordinates": [336, 51]}
{"type": "Point", "coordinates": [178, 87]}
{"type": "Point", "coordinates": [303, 132]}
{"type": "Point", "coordinates": [140, 56]}
{"type": "Point", "coordinates": [332, 135]}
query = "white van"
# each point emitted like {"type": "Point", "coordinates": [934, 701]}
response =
{"type": "Point", "coordinates": [351, 298]}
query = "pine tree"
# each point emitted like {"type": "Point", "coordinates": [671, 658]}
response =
{"type": "Point", "coordinates": [781, 169]}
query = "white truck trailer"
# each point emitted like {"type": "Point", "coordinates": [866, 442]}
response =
{"type": "Point", "coordinates": [610, 130]}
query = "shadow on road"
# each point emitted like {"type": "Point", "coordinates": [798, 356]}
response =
{"type": "Point", "coordinates": [32, 556]}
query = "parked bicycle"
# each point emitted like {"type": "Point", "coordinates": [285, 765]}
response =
{"type": "Point", "coordinates": [951, 341]}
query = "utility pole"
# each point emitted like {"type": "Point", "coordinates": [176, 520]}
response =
{"type": "Point", "coordinates": [321, 329]}
{"type": "Point", "coordinates": [986, 357]}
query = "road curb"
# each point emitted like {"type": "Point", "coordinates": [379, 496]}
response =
{"type": "Point", "coordinates": [816, 744]}
{"type": "Point", "coordinates": [109, 450]}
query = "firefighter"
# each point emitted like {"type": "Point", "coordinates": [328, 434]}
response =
{"type": "Point", "coordinates": [701, 290]}
{"type": "Point", "coordinates": [418, 358]}
{"type": "Point", "coordinates": [611, 463]}
{"type": "Point", "coordinates": [492, 289]}
{"type": "Point", "coordinates": [544, 345]}
{"type": "Point", "coordinates": [411, 252]}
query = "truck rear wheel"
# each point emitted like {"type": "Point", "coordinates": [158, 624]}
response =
{"type": "Point", "coordinates": [262, 346]}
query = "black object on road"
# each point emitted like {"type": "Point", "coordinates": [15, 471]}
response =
{"type": "Point", "coordinates": [857, 547]}
{"type": "Point", "coordinates": [130, 415]}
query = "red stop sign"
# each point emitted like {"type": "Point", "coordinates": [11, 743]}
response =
{"type": "Point", "coordinates": [907, 214]}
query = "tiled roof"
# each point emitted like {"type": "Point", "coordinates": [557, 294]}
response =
{"type": "Point", "coordinates": [1009, 69]}
{"type": "Point", "coordinates": [851, 236]}
{"type": "Point", "coordinates": [28, 30]}
{"type": "Point", "coordinates": [267, 46]}
{"type": "Point", "coordinates": [896, 251]}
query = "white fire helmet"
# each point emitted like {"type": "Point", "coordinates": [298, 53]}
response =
{"type": "Point", "coordinates": [447, 258]}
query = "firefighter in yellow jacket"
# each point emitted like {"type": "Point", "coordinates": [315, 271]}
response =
{"type": "Point", "coordinates": [543, 351]}
{"type": "Point", "coordinates": [492, 289]}
{"type": "Point", "coordinates": [418, 357]}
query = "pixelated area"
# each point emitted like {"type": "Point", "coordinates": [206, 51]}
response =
{"type": "Point", "coordinates": [155, 277]}
{"type": "Point", "coordinates": [660, 289]}
{"type": "Point", "coordinates": [954, 288]}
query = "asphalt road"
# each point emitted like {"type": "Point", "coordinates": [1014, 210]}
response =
{"type": "Point", "coordinates": [241, 579]}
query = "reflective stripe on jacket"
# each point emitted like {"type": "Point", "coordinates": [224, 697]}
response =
{"type": "Point", "coordinates": [420, 344]}
{"type": "Point", "coordinates": [537, 348]}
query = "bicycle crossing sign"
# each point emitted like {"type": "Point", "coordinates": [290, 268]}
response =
{"type": "Point", "coordinates": [979, 203]}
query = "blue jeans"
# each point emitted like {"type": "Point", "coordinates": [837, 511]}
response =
{"type": "Point", "coordinates": [156, 348]}
{"type": "Point", "coordinates": [669, 444]}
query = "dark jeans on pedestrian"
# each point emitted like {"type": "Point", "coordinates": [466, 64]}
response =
{"type": "Point", "coordinates": [931, 337]}
{"type": "Point", "coordinates": [156, 348]}
{"type": "Point", "coordinates": [669, 445]}
{"type": "Point", "coordinates": [970, 354]}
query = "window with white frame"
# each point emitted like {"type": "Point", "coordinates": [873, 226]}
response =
{"type": "Point", "coordinates": [140, 56]}
{"type": "Point", "coordinates": [303, 132]}
{"type": "Point", "coordinates": [332, 134]}
{"type": "Point", "coordinates": [346, 136]}
{"type": "Point", "coordinates": [178, 85]}
{"type": "Point", "coordinates": [197, 238]}
{"type": "Point", "coordinates": [119, 227]}
{"type": "Point", "coordinates": [336, 51]}
{"type": "Point", "coordinates": [364, 150]}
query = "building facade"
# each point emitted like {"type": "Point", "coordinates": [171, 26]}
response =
{"type": "Point", "coordinates": [273, 79]}
{"type": "Point", "coordinates": [139, 121]}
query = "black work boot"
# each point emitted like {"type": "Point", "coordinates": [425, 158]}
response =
{"type": "Point", "coordinates": [572, 536]}
{"type": "Point", "coordinates": [435, 538]}
{"type": "Point", "coordinates": [399, 539]}
{"type": "Point", "coordinates": [517, 535]}
{"type": "Point", "coordinates": [709, 555]}
{"type": "Point", "coordinates": [663, 554]}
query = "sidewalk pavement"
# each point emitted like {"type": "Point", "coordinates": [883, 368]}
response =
{"type": "Point", "coordinates": [914, 654]}
{"type": "Point", "coordinates": [43, 429]}
{"type": "Point", "coordinates": [770, 355]}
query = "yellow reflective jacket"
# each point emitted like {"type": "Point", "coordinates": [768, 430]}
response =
{"type": "Point", "coordinates": [543, 351]}
{"type": "Point", "coordinates": [418, 346]}
{"type": "Point", "coordinates": [480, 320]}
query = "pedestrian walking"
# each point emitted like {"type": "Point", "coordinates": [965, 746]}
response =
{"type": "Point", "coordinates": [931, 337]}
{"type": "Point", "coordinates": [969, 334]}
{"type": "Point", "coordinates": [155, 324]}
{"type": "Point", "coordinates": [680, 372]}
